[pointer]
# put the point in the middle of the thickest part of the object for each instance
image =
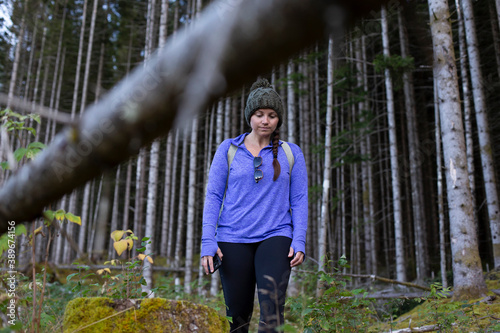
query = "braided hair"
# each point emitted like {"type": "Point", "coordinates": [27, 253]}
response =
{"type": "Point", "coordinates": [276, 164]}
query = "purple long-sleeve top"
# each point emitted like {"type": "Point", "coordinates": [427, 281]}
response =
{"type": "Point", "coordinates": [253, 212]}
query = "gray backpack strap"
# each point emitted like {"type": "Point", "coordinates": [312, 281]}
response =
{"type": "Point", "coordinates": [289, 155]}
{"type": "Point", "coordinates": [230, 157]}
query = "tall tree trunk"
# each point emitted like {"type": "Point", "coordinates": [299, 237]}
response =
{"type": "Point", "coordinates": [371, 185]}
{"type": "Point", "coordinates": [99, 74]}
{"type": "Point", "coordinates": [325, 199]}
{"type": "Point", "coordinates": [89, 57]}
{"type": "Point", "coordinates": [469, 135]}
{"type": "Point", "coordinates": [140, 177]}
{"type": "Point", "coordinates": [291, 102]}
{"type": "Point", "coordinates": [114, 211]}
{"type": "Point", "coordinates": [365, 164]}
{"type": "Point", "coordinates": [102, 215]}
{"type": "Point", "coordinates": [173, 202]}
{"type": "Point", "coordinates": [497, 3]}
{"type": "Point", "coordinates": [440, 192]}
{"type": "Point", "coordinates": [151, 213]}
{"type": "Point", "coordinates": [181, 216]}
{"type": "Point", "coordinates": [191, 207]}
{"type": "Point", "coordinates": [495, 34]}
{"type": "Point", "coordinates": [483, 131]}
{"type": "Point", "coordinates": [17, 57]}
{"type": "Point", "coordinates": [168, 190]}
{"type": "Point", "coordinates": [126, 199]}
{"type": "Point", "coordinates": [79, 61]}
{"type": "Point", "coordinates": [154, 160]}
{"type": "Point", "coordinates": [58, 94]}
{"type": "Point", "coordinates": [30, 61]}
{"type": "Point", "coordinates": [467, 272]}
{"type": "Point", "coordinates": [419, 220]}
{"type": "Point", "coordinates": [393, 141]}
{"type": "Point", "coordinates": [39, 70]}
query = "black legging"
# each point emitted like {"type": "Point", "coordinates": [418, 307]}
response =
{"type": "Point", "coordinates": [243, 265]}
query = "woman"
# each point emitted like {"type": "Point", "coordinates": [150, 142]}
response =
{"type": "Point", "coordinates": [260, 232]}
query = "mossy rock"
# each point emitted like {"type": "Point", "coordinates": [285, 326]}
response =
{"type": "Point", "coordinates": [100, 314]}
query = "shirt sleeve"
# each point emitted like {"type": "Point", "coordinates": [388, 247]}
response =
{"type": "Point", "coordinates": [216, 187]}
{"type": "Point", "coordinates": [299, 202]}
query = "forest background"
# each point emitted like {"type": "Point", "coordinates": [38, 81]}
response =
{"type": "Point", "coordinates": [361, 106]}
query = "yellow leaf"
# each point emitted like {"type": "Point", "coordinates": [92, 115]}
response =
{"type": "Point", "coordinates": [120, 246]}
{"type": "Point", "coordinates": [130, 243]}
{"type": "Point", "coordinates": [117, 235]}
{"type": "Point", "coordinates": [59, 215]}
{"type": "Point", "coordinates": [143, 256]}
{"type": "Point", "coordinates": [74, 218]}
{"type": "Point", "coordinates": [38, 231]}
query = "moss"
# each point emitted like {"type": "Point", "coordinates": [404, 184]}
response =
{"type": "Point", "coordinates": [148, 315]}
{"type": "Point", "coordinates": [466, 316]}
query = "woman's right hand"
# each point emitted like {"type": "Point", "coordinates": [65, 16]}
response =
{"type": "Point", "coordinates": [208, 262]}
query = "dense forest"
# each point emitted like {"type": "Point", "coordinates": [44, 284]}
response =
{"type": "Point", "coordinates": [396, 117]}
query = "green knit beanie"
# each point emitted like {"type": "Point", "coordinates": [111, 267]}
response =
{"type": "Point", "coordinates": [263, 96]}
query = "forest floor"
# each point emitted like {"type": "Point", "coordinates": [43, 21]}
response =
{"type": "Point", "coordinates": [438, 312]}
{"type": "Point", "coordinates": [433, 311]}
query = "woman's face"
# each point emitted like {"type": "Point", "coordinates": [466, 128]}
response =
{"type": "Point", "coordinates": [264, 121]}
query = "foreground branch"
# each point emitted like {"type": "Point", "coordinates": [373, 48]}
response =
{"type": "Point", "coordinates": [229, 45]}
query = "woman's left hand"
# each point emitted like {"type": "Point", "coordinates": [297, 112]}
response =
{"type": "Point", "coordinates": [297, 259]}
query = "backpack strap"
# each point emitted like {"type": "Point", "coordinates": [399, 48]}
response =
{"type": "Point", "coordinates": [230, 157]}
{"type": "Point", "coordinates": [289, 155]}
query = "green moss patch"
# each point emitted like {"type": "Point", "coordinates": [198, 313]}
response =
{"type": "Point", "coordinates": [450, 316]}
{"type": "Point", "coordinates": [99, 314]}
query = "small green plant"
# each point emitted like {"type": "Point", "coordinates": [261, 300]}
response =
{"type": "Point", "coordinates": [81, 286]}
{"type": "Point", "coordinates": [128, 283]}
{"type": "Point", "coordinates": [16, 123]}
{"type": "Point", "coordinates": [337, 309]}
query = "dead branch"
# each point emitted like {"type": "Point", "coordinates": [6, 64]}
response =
{"type": "Point", "coordinates": [427, 328]}
{"type": "Point", "coordinates": [386, 280]}
{"type": "Point", "coordinates": [378, 278]}
{"type": "Point", "coordinates": [230, 45]}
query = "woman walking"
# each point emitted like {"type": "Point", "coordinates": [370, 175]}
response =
{"type": "Point", "coordinates": [255, 214]}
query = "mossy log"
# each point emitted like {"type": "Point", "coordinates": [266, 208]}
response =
{"type": "Point", "coordinates": [100, 314]}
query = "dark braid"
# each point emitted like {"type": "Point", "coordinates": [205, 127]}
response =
{"type": "Point", "coordinates": [276, 164]}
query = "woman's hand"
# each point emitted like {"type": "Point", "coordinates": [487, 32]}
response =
{"type": "Point", "coordinates": [297, 259]}
{"type": "Point", "coordinates": [208, 261]}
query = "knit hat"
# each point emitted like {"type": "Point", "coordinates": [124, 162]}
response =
{"type": "Point", "coordinates": [263, 96]}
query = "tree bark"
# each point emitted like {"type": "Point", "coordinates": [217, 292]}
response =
{"type": "Point", "coordinates": [325, 199]}
{"type": "Point", "coordinates": [17, 57]}
{"type": "Point", "coordinates": [396, 186]}
{"type": "Point", "coordinates": [79, 61]}
{"type": "Point", "coordinates": [191, 207]}
{"type": "Point", "coordinates": [89, 57]}
{"type": "Point", "coordinates": [440, 193]}
{"type": "Point", "coordinates": [290, 102]}
{"type": "Point", "coordinates": [483, 132]}
{"type": "Point", "coordinates": [467, 272]}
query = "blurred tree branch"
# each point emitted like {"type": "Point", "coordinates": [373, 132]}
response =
{"type": "Point", "coordinates": [231, 43]}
